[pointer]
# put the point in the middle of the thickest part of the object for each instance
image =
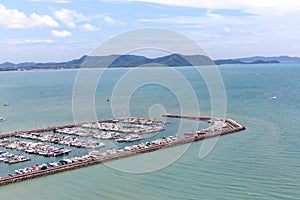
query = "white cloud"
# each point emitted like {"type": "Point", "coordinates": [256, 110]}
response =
{"type": "Point", "coordinates": [69, 17]}
{"type": "Point", "coordinates": [44, 20]}
{"type": "Point", "coordinates": [109, 20]}
{"type": "Point", "coordinates": [89, 27]}
{"type": "Point", "coordinates": [112, 21]}
{"type": "Point", "coordinates": [27, 41]}
{"type": "Point", "coordinates": [13, 18]}
{"type": "Point", "coordinates": [208, 19]}
{"type": "Point", "coordinates": [51, 1]}
{"type": "Point", "coordinates": [227, 30]}
{"type": "Point", "coordinates": [253, 5]}
{"type": "Point", "coordinates": [63, 33]}
{"type": "Point", "coordinates": [175, 20]}
{"type": "Point", "coordinates": [72, 18]}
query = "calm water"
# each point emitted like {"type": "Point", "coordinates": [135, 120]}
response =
{"type": "Point", "coordinates": [262, 162]}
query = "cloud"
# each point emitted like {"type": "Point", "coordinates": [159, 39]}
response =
{"type": "Point", "coordinates": [112, 21]}
{"type": "Point", "coordinates": [69, 17]}
{"type": "Point", "coordinates": [175, 20]}
{"type": "Point", "coordinates": [63, 33]}
{"type": "Point", "coordinates": [13, 18]}
{"type": "Point", "coordinates": [254, 6]}
{"type": "Point", "coordinates": [109, 20]}
{"type": "Point", "coordinates": [206, 20]}
{"type": "Point", "coordinates": [27, 41]}
{"type": "Point", "coordinates": [227, 30]}
{"type": "Point", "coordinates": [89, 27]}
{"type": "Point", "coordinates": [51, 1]}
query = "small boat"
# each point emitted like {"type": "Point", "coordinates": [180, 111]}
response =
{"type": "Point", "coordinates": [133, 138]}
{"type": "Point", "coordinates": [129, 138]}
{"type": "Point", "coordinates": [106, 135]}
{"type": "Point", "coordinates": [18, 159]}
{"type": "Point", "coordinates": [2, 119]}
{"type": "Point", "coordinates": [108, 100]}
{"type": "Point", "coordinates": [5, 103]}
{"type": "Point", "coordinates": [274, 97]}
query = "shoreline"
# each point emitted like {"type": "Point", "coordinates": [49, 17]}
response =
{"type": "Point", "coordinates": [231, 127]}
{"type": "Point", "coordinates": [126, 67]}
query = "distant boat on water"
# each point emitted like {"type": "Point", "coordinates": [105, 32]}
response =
{"type": "Point", "coordinates": [5, 103]}
{"type": "Point", "coordinates": [274, 97]}
{"type": "Point", "coordinates": [108, 100]}
{"type": "Point", "coordinates": [2, 119]}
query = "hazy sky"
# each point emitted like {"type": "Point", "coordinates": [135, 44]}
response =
{"type": "Point", "coordinates": [60, 30]}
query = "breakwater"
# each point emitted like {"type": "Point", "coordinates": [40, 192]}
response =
{"type": "Point", "coordinates": [228, 126]}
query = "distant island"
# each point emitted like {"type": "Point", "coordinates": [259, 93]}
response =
{"type": "Point", "coordinates": [238, 61]}
{"type": "Point", "coordinates": [135, 60]}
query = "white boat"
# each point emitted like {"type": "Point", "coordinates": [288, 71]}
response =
{"type": "Point", "coordinates": [5, 103]}
{"type": "Point", "coordinates": [274, 97]}
{"type": "Point", "coordinates": [106, 135]}
{"type": "Point", "coordinates": [129, 138]}
{"type": "Point", "coordinates": [2, 119]}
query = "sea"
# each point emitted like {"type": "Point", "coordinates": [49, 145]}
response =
{"type": "Point", "coordinates": [262, 162]}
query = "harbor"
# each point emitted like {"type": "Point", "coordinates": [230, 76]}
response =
{"type": "Point", "coordinates": [137, 126]}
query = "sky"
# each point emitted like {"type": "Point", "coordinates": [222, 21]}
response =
{"type": "Point", "coordinates": [62, 30]}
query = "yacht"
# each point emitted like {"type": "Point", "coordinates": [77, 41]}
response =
{"type": "Point", "coordinates": [129, 138]}
{"type": "Point", "coordinates": [133, 137]}
{"type": "Point", "coordinates": [5, 103]}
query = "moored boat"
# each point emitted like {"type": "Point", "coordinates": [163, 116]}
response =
{"type": "Point", "coordinates": [129, 138]}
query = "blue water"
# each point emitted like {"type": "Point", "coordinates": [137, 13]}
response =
{"type": "Point", "coordinates": [262, 162]}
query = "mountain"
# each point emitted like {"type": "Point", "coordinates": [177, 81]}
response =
{"type": "Point", "coordinates": [281, 59]}
{"type": "Point", "coordinates": [134, 60]}
{"type": "Point", "coordinates": [114, 61]}
{"type": "Point", "coordinates": [259, 60]}
{"type": "Point", "coordinates": [183, 60]}
{"type": "Point", "coordinates": [228, 61]}
{"type": "Point", "coordinates": [51, 65]}
{"type": "Point", "coordinates": [242, 61]}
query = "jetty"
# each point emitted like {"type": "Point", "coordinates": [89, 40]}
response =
{"type": "Point", "coordinates": [218, 127]}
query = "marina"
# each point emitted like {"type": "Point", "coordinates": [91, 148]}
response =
{"type": "Point", "coordinates": [63, 140]}
{"type": "Point", "coordinates": [34, 148]}
{"type": "Point", "coordinates": [11, 158]}
{"type": "Point", "coordinates": [217, 127]}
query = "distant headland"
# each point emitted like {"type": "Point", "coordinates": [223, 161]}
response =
{"type": "Point", "coordinates": [114, 61]}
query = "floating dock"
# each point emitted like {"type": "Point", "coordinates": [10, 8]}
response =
{"type": "Point", "coordinates": [230, 126]}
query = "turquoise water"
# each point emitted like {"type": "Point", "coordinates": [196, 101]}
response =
{"type": "Point", "coordinates": [262, 162]}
